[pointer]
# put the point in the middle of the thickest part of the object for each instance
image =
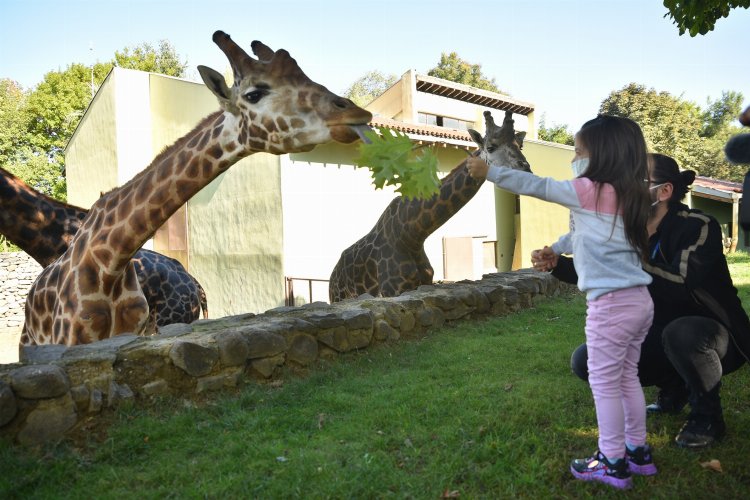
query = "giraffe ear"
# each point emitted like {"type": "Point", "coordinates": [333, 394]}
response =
{"type": "Point", "coordinates": [520, 136]}
{"type": "Point", "coordinates": [215, 82]}
{"type": "Point", "coordinates": [477, 137]}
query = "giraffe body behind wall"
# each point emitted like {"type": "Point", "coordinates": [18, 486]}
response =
{"type": "Point", "coordinates": [92, 292]}
{"type": "Point", "coordinates": [390, 259]}
{"type": "Point", "coordinates": [44, 227]}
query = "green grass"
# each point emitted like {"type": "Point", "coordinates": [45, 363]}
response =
{"type": "Point", "coordinates": [488, 409]}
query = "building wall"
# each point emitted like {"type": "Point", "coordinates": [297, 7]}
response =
{"type": "Point", "coordinates": [236, 242]}
{"type": "Point", "coordinates": [91, 155]}
{"type": "Point", "coordinates": [541, 222]}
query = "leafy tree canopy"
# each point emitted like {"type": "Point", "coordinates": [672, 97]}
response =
{"type": "Point", "coordinates": [145, 57]}
{"type": "Point", "coordinates": [368, 87]}
{"type": "Point", "coordinates": [453, 68]}
{"type": "Point", "coordinates": [700, 16]}
{"type": "Point", "coordinates": [680, 129]}
{"type": "Point", "coordinates": [35, 125]}
{"type": "Point", "coordinates": [556, 133]}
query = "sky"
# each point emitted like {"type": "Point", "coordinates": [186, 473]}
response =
{"type": "Point", "coordinates": [564, 56]}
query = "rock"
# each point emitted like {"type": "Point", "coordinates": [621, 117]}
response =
{"type": "Point", "coordinates": [158, 386]}
{"type": "Point", "coordinates": [193, 359]}
{"type": "Point", "coordinates": [233, 348]}
{"type": "Point", "coordinates": [303, 349]}
{"type": "Point", "coordinates": [49, 421]}
{"type": "Point", "coordinates": [264, 344]}
{"type": "Point", "coordinates": [118, 393]}
{"type": "Point", "coordinates": [41, 353]}
{"type": "Point", "coordinates": [39, 381]}
{"type": "Point", "coordinates": [8, 407]}
{"type": "Point", "coordinates": [266, 366]}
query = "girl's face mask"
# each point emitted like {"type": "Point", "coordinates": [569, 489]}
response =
{"type": "Point", "coordinates": [579, 166]}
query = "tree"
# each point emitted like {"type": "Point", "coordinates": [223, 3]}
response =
{"type": "Point", "coordinates": [453, 68]}
{"type": "Point", "coordinates": [35, 126]}
{"type": "Point", "coordinates": [678, 128]}
{"type": "Point", "coordinates": [367, 88]}
{"type": "Point", "coordinates": [145, 57]}
{"type": "Point", "coordinates": [721, 114]}
{"type": "Point", "coordinates": [12, 118]}
{"type": "Point", "coordinates": [556, 133]}
{"type": "Point", "coordinates": [700, 16]}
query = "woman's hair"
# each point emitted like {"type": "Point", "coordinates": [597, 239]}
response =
{"type": "Point", "coordinates": [618, 156]}
{"type": "Point", "coordinates": [665, 169]}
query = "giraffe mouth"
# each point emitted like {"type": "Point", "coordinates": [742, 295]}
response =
{"type": "Point", "coordinates": [348, 133]}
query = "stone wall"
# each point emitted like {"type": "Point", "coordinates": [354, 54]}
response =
{"type": "Point", "coordinates": [53, 388]}
{"type": "Point", "coordinates": [17, 272]}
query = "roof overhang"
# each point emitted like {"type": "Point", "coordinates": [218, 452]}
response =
{"type": "Point", "coordinates": [714, 189]}
{"type": "Point", "coordinates": [473, 95]}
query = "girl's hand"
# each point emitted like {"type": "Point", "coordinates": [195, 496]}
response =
{"type": "Point", "coordinates": [544, 259]}
{"type": "Point", "coordinates": [477, 168]}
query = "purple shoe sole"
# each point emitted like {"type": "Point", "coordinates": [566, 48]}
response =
{"type": "Point", "coordinates": [622, 484]}
{"type": "Point", "coordinates": [642, 470]}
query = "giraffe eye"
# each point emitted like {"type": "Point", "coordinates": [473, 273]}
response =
{"type": "Point", "coordinates": [491, 149]}
{"type": "Point", "coordinates": [255, 95]}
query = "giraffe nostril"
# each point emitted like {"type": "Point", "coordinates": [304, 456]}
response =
{"type": "Point", "coordinates": [341, 103]}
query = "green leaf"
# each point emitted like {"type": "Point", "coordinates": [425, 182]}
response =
{"type": "Point", "coordinates": [393, 161]}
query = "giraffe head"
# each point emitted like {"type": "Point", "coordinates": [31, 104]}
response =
{"type": "Point", "coordinates": [277, 107]}
{"type": "Point", "coordinates": [501, 145]}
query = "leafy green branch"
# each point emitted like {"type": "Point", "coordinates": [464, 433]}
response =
{"type": "Point", "coordinates": [394, 161]}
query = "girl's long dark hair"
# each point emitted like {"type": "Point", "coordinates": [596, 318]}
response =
{"type": "Point", "coordinates": [618, 156]}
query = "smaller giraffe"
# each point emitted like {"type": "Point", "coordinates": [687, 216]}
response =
{"type": "Point", "coordinates": [390, 259]}
{"type": "Point", "coordinates": [44, 227]}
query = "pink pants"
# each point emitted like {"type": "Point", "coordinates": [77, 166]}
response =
{"type": "Point", "coordinates": [616, 324]}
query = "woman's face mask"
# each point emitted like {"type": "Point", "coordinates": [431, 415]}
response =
{"type": "Point", "coordinates": [652, 192]}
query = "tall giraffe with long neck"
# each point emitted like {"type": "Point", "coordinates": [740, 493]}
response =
{"type": "Point", "coordinates": [91, 292]}
{"type": "Point", "coordinates": [44, 227]}
{"type": "Point", "coordinates": [390, 259]}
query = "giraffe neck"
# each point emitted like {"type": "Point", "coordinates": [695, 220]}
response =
{"type": "Point", "coordinates": [121, 221]}
{"type": "Point", "coordinates": [421, 218]}
{"type": "Point", "coordinates": [41, 226]}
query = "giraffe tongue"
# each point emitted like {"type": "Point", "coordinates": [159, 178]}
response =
{"type": "Point", "coordinates": [360, 130]}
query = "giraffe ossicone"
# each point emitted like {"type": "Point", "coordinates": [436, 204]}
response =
{"type": "Point", "coordinates": [391, 259]}
{"type": "Point", "coordinates": [91, 292]}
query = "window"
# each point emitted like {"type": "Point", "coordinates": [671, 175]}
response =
{"type": "Point", "coordinates": [444, 121]}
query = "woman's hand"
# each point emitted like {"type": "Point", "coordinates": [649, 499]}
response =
{"type": "Point", "coordinates": [477, 168]}
{"type": "Point", "coordinates": [544, 259]}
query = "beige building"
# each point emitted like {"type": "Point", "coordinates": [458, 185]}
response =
{"type": "Point", "coordinates": [275, 221]}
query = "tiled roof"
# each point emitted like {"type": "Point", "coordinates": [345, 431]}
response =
{"type": "Point", "coordinates": [719, 185]}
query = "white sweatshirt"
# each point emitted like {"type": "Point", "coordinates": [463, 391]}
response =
{"type": "Point", "coordinates": [604, 260]}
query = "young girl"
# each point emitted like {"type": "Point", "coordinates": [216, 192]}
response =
{"type": "Point", "coordinates": [609, 203]}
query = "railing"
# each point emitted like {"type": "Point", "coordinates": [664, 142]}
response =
{"type": "Point", "coordinates": [291, 299]}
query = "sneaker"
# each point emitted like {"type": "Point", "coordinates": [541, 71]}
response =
{"type": "Point", "coordinates": [701, 431]}
{"type": "Point", "coordinates": [641, 461]}
{"type": "Point", "coordinates": [669, 401]}
{"type": "Point", "coordinates": [599, 468]}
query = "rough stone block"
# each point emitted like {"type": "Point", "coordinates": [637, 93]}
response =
{"type": "Point", "coordinates": [49, 421]}
{"type": "Point", "coordinates": [195, 360]}
{"type": "Point", "coordinates": [39, 381]}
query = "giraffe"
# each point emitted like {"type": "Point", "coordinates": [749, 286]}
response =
{"type": "Point", "coordinates": [390, 259]}
{"type": "Point", "coordinates": [92, 292]}
{"type": "Point", "coordinates": [44, 227]}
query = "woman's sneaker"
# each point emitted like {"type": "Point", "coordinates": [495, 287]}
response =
{"type": "Point", "coordinates": [599, 468]}
{"type": "Point", "coordinates": [641, 461]}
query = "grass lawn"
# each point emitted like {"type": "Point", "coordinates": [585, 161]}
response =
{"type": "Point", "coordinates": [480, 409]}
